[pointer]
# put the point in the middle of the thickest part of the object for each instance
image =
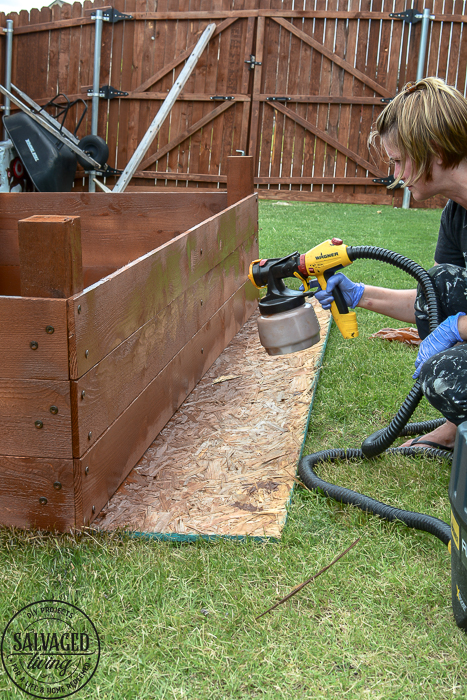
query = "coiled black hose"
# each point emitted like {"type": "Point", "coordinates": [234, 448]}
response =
{"type": "Point", "coordinates": [419, 521]}
{"type": "Point", "coordinates": [380, 441]}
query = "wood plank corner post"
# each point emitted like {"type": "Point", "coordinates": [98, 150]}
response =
{"type": "Point", "coordinates": [50, 256]}
{"type": "Point", "coordinates": [240, 182]}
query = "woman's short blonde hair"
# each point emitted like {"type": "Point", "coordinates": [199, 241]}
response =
{"type": "Point", "coordinates": [426, 120]}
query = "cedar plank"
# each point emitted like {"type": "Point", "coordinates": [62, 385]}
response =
{"type": "Point", "coordinates": [123, 444]}
{"type": "Point", "coordinates": [116, 307]}
{"type": "Point", "coordinates": [25, 401]}
{"type": "Point", "coordinates": [115, 228]}
{"type": "Point", "coordinates": [50, 256]}
{"type": "Point", "coordinates": [24, 481]}
{"type": "Point", "coordinates": [23, 321]}
{"type": "Point", "coordinates": [316, 196]}
{"type": "Point", "coordinates": [254, 140]}
{"type": "Point", "coordinates": [111, 385]}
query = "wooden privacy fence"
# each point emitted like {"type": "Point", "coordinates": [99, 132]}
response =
{"type": "Point", "coordinates": [297, 87]}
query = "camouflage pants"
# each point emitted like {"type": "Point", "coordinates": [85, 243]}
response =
{"type": "Point", "coordinates": [443, 377]}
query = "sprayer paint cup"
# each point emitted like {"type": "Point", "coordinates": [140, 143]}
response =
{"type": "Point", "coordinates": [289, 331]}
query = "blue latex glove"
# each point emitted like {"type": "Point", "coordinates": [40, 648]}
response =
{"type": "Point", "coordinates": [352, 291]}
{"type": "Point", "coordinates": [442, 338]}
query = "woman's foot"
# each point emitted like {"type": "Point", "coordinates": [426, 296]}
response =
{"type": "Point", "coordinates": [444, 436]}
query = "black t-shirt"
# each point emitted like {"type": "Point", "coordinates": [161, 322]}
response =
{"type": "Point", "coordinates": [452, 239]}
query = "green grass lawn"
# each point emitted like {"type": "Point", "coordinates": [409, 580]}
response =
{"type": "Point", "coordinates": [178, 621]}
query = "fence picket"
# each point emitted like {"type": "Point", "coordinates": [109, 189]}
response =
{"type": "Point", "coordinates": [334, 59]}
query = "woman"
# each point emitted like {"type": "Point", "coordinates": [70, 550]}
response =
{"type": "Point", "coordinates": [424, 132]}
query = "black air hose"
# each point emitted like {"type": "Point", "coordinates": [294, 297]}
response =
{"type": "Point", "coordinates": [376, 443]}
{"type": "Point", "coordinates": [381, 440]}
{"type": "Point", "coordinates": [419, 521]}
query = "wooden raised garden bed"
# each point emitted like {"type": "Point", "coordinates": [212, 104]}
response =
{"type": "Point", "coordinates": [113, 307]}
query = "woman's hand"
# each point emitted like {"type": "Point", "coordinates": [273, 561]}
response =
{"type": "Point", "coordinates": [352, 291]}
{"type": "Point", "coordinates": [442, 338]}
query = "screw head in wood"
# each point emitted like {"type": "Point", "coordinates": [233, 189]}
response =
{"type": "Point", "coordinates": [33, 345]}
{"type": "Point", "coordinates": [54, 410]}
{"type": "Point", "coordinates": [57, 485]}
{"type": "Point", "coordinates": [202, 350]}
{"type": "Point", "coordinates": [90, 435]}
{"type": "Point", "coordinates": [49, 330]}
{"type": "Point", "coordinates": [39, 424]}
{"type": "Point", "coordinates": [43, 501]}
{"type": "Point", "coordinates": [94, 509]}
{"type": "Point", "coordinates": [83, 394]}
{"type": "Point", "coordinates": [79, 308]}
{"type": "Point", "coordinates": [86, 470]}
{"type": "Point", "coordinates": [86, 353]}
{"type": "Point", "coordinates": [201, 302]}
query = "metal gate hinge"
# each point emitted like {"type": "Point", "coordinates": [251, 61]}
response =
{"type": "Point", "coordinates": [409, 16]}
{"type": "Point", "coordinates": [107, 171]}
{"type": "Point", "coordinates": [222, 97]}
{"type": "Point", "coordinates": [387, 181]}
{"type": "Point", "coordinates": [253, 62]}
{"type": "Point", "coordinates": [277, 99]}
{"type": "Point", "coordinates": [107, 92]}
{"type": "Point", "coordinates": [386, 100]}
{"type": "Point", "coordinates": [111, 15]}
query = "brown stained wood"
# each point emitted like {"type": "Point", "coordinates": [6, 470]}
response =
{"type": "Point", "coordinates": [29, 427]}
{"type": "Point", "coordinates": [327, 99]}
{"type": "Point", "coordinates": [315, 181]}
{"type": "Point", "coordinates": [333, 57]}
{"type": "Point", "coordinates": [25, 321]}
{"type": "Point", "coordinates": [50, 257]}
{"type": "Point", "coordinates": [316, 196]}
{"type": "Point", "coordinates": [116, 307]}
{"type": "Point", "coordinates": [188, 132]}
{"type": "Point", "coordinates": [145, 220]}
{"type": "Point", "coordinates": [197, 177]}
{"type": "Point", "coordinates": [26, 480]}
{"type": "Point", "coordinates": [108, 388]}
{"type": "Point", "coordinates": [181, 58]}
{"type": "Point", "coordinates": [216, 14]}
{"type": "Point", "coordinates": [225, 463]}
{"type": "Point", "coordinates": [239, 178]}
{"type": "Point", "coordinates": [135, 57]}
{"type": "Point", "coordinates": [183, 97]}
{"type": "Point", "coordinates": [124, 443]}
{"type": "Point", "coordinates": [328, 139]}
{"type": "Point", "coordinates": [347, 42]}
{"type": "Point", "coordinates": [254, 140]}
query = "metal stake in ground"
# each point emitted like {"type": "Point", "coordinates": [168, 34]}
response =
{"type": "Point", "coordinates": [166, 106]}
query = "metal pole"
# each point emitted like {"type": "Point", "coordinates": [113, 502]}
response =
{"type": "Point", "coordinates": [8, 62]}
{"type": "Point", "coordinates": [420, 71]}
{"type": "Point", "coordinates": [96, 86]}
{"type": "Point", "coordinates": [164, 110]}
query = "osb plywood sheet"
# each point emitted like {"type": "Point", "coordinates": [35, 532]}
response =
{"type": "Point", "coordinates": [225, 463]}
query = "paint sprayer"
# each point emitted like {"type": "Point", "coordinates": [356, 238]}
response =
{"type": "Point", "coordinates": [288, 323]}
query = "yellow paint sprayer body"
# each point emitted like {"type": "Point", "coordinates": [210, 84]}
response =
{"type": "Point", "coordinates": [322, 262]}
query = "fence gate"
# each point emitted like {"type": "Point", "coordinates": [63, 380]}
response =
{"type": "Point", "coordinates": [314, 101]}
{"type": "Point", "coordinates": [210, 119]}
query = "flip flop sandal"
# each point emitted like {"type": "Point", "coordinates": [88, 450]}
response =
{"type": "Point", "coordinates": [420, 442]}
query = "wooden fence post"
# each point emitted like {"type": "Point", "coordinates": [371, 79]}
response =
{"type": "Point", "coordinates": [50, 256]}
{"type": "Point", "coordinates": [240, 183]}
